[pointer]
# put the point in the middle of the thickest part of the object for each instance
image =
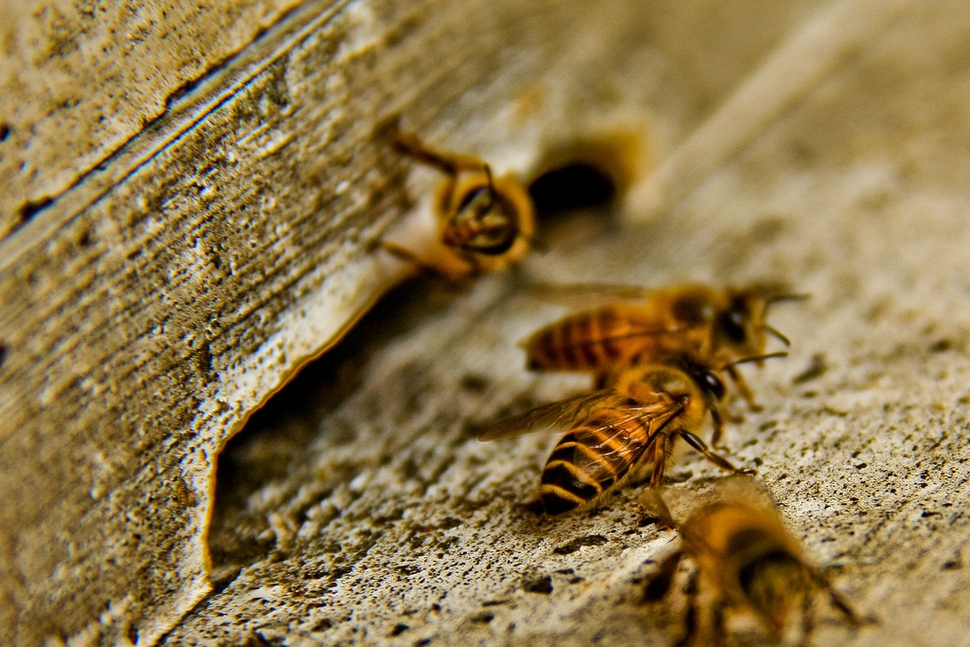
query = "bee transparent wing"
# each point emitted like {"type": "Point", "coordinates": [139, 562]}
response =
{"type": "Point", "coordinates": [746, 490]}
{"type": "Point", "coordinates": [556, 416]}
{"type": "Point", "coordinates": [612, 440]}
{"type": "Point", "coordinates": [644, 333]}
{"type": "Point", "coordinates": [586, 295]}
{"type": "Point", "coordinates": [603, 338]}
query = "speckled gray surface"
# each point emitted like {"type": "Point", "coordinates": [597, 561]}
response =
{"type": "Point", "coordinates": [361, 509]}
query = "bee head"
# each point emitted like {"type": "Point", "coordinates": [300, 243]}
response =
{"type": "Point", "coordinates": [744, 321]}
{"type": "Point", "coordinates": [713, 384]}
{"type": "Point", "coordinates": [484, 222]}
{"type": "Point", "coordinates": [709, 381]}
{"type": "Point", "coordinates": [740, 324]}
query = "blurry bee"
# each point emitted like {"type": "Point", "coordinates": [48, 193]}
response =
{"type": "Point", "coordinates": [486, 222]}
{"type": "Point", "coordinates": [618, 432]}
{"type": "Point", "coordinates": [749, 561]}
{"type": "Point", "coordinates": [721, 326]}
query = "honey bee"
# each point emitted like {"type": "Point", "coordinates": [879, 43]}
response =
{"type": "Point", "coordinates": [719, 325]}
{"type": "Point", "coordinates": [750, 562]}
{"type": "Point", "coordinates": [485, 222]}
{"type": "Point", "coordinates": [616, 433]}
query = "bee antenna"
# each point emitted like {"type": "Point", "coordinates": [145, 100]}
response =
{"type": "Point", "coordinates": [777, 334]}
{"type": "Point", "coordinates": [788, 296]}
{"type": "Point", "coordinates": [491, 186]}
{"type": "Point", "coordinates": [778, 298]}
{"type": "Point", "coordinates": [754, 358]}
{"type": "Point", "coordinates": [488, 174]}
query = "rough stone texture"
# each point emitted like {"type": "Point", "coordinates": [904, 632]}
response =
{"type": "Point", "coordinates": [206, 239]}
{"type": "Point", "coordinates": [360, 509]}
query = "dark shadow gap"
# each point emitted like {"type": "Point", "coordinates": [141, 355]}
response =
{"type": "Point", "coordinates": [572, 187]}
{"type": "Point", "coordinates": [588, 174]}
{"type": "Point", "coordinates": [276, 439]}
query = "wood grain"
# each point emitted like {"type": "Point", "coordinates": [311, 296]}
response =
{"type": "Point", "coordinates": [80, 79]}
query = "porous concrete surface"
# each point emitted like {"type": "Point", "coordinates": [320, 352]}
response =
{"type": "Point", "coordinates": [360, 508]}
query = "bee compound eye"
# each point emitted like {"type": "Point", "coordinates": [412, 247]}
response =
{"type": "Point", "coordinates": [737, 318]}
{"type": "Point", "coordinates": [714, 384]}
{"type": "Point", "coordinates": [733, 324]}
{"type": "Point", "coordinates": [478, 196]}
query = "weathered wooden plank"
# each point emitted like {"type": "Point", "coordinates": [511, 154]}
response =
{"type": "Point", "coordinates": [79, 79]}
{"type": "Point", "coordinates": [149, 308]}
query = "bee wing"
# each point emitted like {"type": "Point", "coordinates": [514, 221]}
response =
{"type": "Point", "coordinates": [744, 489]}
{"type": "Point", "coordinates": [554, 347]}
{"type": "Point", "coordinates": [558, 415]}
{"type": "Point", "coordinates": [644, 333]}
{"type": "Point", "coordinates": [611, 441]}
{"type": "Point", "coordinates": [586, 295]}
{"type": "Point", "coordinates": [603, 323]}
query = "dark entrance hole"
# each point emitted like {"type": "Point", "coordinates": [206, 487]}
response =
{"type": "Point", "coordinates": [574, 186]}
{"type": "Point", "coordinates": [593, 173]}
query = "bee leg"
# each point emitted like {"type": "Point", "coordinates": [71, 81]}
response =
{"type": "Point", "coordinates": [422, 267]}
{"type": "Point", "coordinates": [444, 198]}
{"type": "Point", "coordinates": [717, 624]}
{"type": "Point", "coordinates": [717, 459]}
{"type": "Point", "coordinates": [808, 620]}
{"type": "Point", "coordinates": [534, 506]}
{"type": "Point", "coordinates": [659, 461]}
{"type": "Point", "coordinates": [839, 602]}
{"type": "Point", "coordinates": [659, 582]}
{"type": "Point", "coordinates": [657, 503]}
{"type": "Point", "coordinates": [690, 619]}
{"type": "Point", "coordinates": [718, 421]}
{"type": "Point", "coordinates": [406, 255]}
{"type": "Point", "coordinates": [738, 378]}
{"type": "Point", "coordinates": [474, 264]}
{"type": "Point", "coordinates": [730, 416]}
{"type": "Point", "coordinates": [448, 163]}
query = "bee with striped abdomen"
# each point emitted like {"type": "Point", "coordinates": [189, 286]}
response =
{"type": "Point", "coordinates": [721, 326]}
{"type": "Point", "coordinates": [750, 562]}
{"type": "Point", "coordinates": [485, 222]}
{"type": "Point", "coordinates": [618, 432]}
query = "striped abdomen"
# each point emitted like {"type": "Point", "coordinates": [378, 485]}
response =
{"type": "Point", "coordinates": [592, 458]}
{"type": "Point", "coordinates": [596, 340]}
